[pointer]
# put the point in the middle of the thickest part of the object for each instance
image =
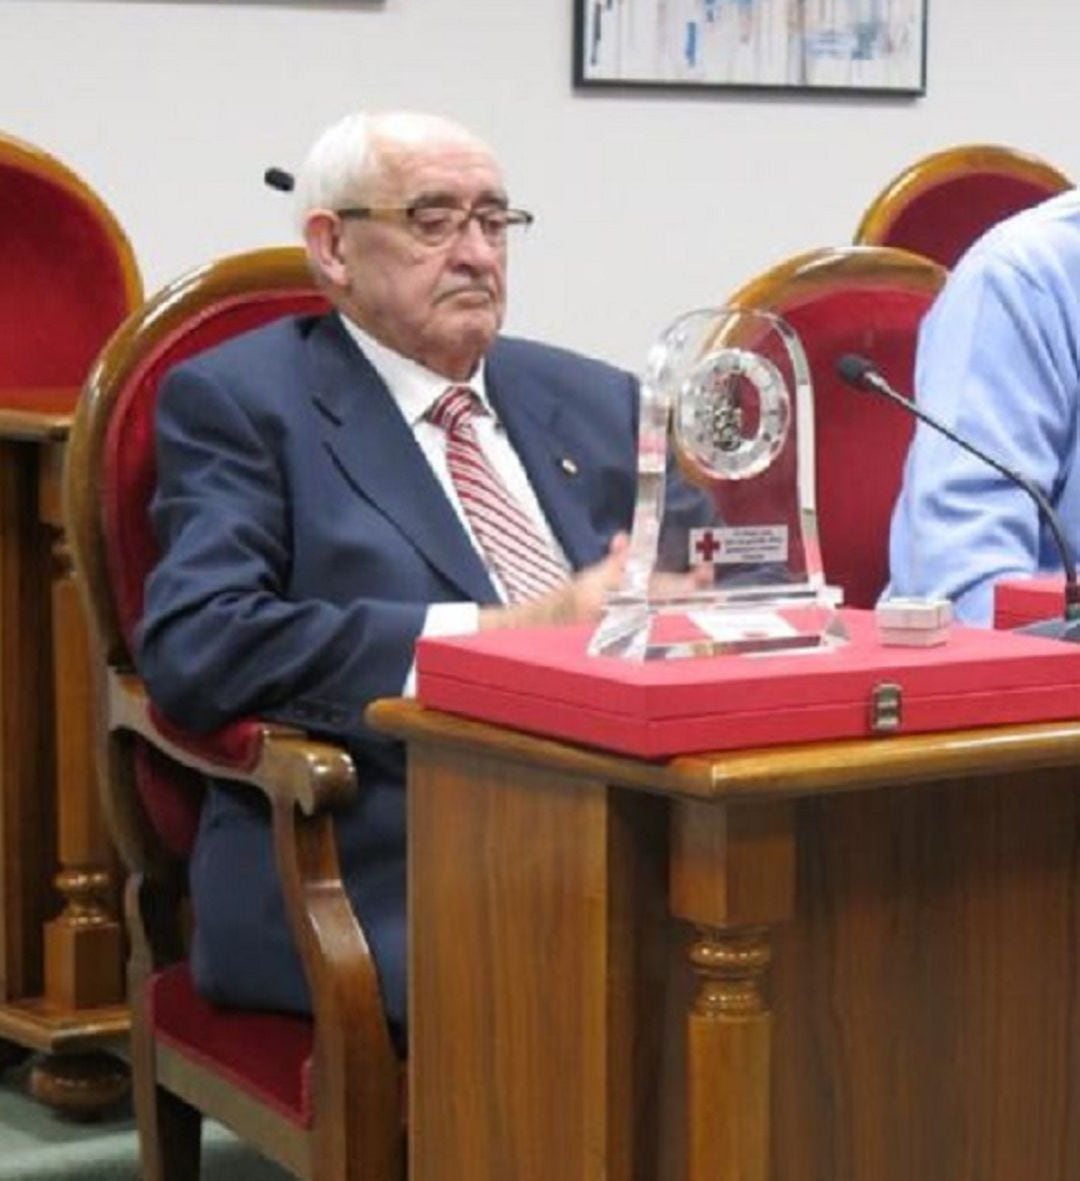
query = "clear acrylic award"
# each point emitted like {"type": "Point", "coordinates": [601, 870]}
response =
{"type": "Point", "coordinates": [724, 553]}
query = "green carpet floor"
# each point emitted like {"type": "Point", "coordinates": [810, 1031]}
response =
{"type": "Point", "coordinates": [38, 1145]}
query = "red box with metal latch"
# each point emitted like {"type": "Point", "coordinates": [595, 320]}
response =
{"type": "Point", "coordinates": [543, 682]}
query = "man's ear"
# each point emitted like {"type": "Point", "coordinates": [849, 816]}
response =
{"type": "Point", "coordinates": [322, 235]}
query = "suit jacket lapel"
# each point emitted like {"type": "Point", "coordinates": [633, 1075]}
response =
{"type": "Point", "coordinates": [540, 431]}
{"type": "Point", "coordinates": [375, 448]}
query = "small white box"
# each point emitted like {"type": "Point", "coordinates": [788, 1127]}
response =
{"type": "Point", "coordinates": [913, 623]}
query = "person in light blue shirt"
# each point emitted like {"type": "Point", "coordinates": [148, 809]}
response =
{"type": "Point", "coordinates": [999, 362]}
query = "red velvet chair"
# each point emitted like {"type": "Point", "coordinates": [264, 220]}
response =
{"type": "Point", "coordinates": [68, 277]}
{"type": "Point", "coordinates": [942, 203]}
{"type": "Point", "coordinates": [323, 1096]}
{"type": "Point", "coordinates": [853, 299]}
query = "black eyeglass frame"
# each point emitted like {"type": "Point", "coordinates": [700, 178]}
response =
{"type": "Point", "coordinates": [407, 216]}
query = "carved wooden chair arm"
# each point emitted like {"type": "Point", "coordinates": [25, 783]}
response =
{"type": "Point", "coordinates": [305, 780]}
{"type": "Point", "coordinates": [286, 765]}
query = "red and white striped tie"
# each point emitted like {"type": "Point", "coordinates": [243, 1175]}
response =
{"type": "Point", "coordinates": [518, 553]}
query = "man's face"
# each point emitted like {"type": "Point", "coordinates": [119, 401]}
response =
{"type": "Point", "coordinates": [440, 305]}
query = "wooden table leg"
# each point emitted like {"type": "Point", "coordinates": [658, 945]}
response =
{"type": "Point", "coordinates": [62, 986]}
{"type": "Point", "coordinates": [83, 950]}
{"type": "Point", "coordinates": [84, 942]}
{"type": "Point", "coordinates": [532, 897]}
{"type": "Point", "coordinates": [732, 876]}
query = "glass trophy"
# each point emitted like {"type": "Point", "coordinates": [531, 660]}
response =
{"type": "Point", "coordinates": [724, 553]}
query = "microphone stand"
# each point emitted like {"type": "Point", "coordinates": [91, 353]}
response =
{"type": "Point", "coordinates": [861, 374]}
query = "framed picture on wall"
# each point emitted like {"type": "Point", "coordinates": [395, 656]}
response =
{"type": "Point", "coordinates": [868, 46]}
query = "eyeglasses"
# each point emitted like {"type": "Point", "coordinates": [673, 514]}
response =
{"type": "Point", "coordinates": [436, 225]}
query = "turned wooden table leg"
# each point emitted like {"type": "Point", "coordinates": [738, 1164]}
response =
{"type": "Point", "coordinates": [728, 1046]}
{"type": "Point", "coordinates": [83, 953]}
{"type": "Point", "coordinates": [60, 983]}
{"type": "Point", "coordinates": [83, 945]}
{"type": "Point", "coordinates": [732, 876]}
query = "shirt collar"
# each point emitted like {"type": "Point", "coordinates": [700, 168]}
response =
{"type": "Point", "coordinates": [413, 387]}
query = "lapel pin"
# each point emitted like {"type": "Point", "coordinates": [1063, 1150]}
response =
{"type": "Point", "coordinates": [568, 466]}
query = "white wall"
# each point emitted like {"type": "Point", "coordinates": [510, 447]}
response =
{"type": "Point", "coordinates": [647, 204]}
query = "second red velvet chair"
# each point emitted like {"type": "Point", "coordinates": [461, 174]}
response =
{"type": "Point", "coordinates": [940, 204]}
{"type": "Point", "coordinates": [68, 277]}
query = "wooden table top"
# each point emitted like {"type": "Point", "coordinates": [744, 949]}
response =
{"type": "Point", "coordinates": [782, 771]}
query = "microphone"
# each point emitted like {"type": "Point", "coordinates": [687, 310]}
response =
{"type": "Point", "coordinates": [278, 178]}
{"type": "Point", "coordinates": [862, 374]}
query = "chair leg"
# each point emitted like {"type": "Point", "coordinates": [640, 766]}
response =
{"type": "Point", "coordinates": [170, 1130]}
{"type": "Point", "coordinates": [170, 1135]}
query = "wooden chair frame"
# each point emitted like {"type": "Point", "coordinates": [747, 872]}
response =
{"type": "Point", "coordinates": [356, 1128]}
{"type": "Point", "coordinates": [840, 266]}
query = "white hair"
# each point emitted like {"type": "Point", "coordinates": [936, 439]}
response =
{"type": "Point", "coordinates": [344, 162]}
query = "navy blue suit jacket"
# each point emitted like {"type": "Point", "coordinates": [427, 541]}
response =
{"type": "Point", "coordinates": [303, 535]}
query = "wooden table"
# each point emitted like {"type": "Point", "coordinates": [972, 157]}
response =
{"type": "Point", "coordinates": [61, 955]}
{"type": "Point", "coordinates": [851, 961]}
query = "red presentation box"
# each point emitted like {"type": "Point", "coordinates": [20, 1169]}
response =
{"type": "Point", "coordinates": [543, 682]}
{"type": "Point", "coordinates": [1025, 600]}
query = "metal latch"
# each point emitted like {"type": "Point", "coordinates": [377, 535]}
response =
{"type": "Point", "coordinates": [886, 701]}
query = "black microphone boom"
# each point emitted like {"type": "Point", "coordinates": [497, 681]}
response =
{"type": "Point", "coordinates": [862, 374]}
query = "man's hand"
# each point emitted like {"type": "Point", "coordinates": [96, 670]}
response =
{"type": "Point", "coordinates": [581, 600]}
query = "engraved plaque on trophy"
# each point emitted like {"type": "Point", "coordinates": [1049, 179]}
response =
{"type": "Point", "coordinates": [724, 553]}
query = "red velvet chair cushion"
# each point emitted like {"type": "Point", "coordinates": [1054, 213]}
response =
{"type": "Point", "coordinates": [268, 1055]}
{"type": "Point", "coordinates": [62, 289]}
{"type": "Point", "coordinates": [942, 222]}
{"type": "Point", "coordinates": [170, 792]}
{"type": "Point", "coordinates": [237, 746]}
{"type": "Point", "coordinates": [171, 795]}
{"type": "Point", "coordinates": [131, 550]}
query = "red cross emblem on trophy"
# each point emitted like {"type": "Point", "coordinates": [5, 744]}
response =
{"type": "Point", "coordinates": [706, 545]}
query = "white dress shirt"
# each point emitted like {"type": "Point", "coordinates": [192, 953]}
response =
{"type": "Point", "coordinates": [415, 390]}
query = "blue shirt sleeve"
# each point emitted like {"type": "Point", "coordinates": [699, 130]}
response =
{"type": "Point", "coordinates": [998, 362]}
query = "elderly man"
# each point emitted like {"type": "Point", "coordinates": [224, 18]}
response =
{"type": "Point", "coordinates": [331, 488]}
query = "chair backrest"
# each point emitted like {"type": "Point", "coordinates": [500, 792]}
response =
{"type": "Point", "coordinates": [940, 204]}
{"type": "Point", "coordinates": [853, 299]}
{"type": "Point", "coordinates": [68, 276]}
{"type": "Point", "coordinates": [111, 476]}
